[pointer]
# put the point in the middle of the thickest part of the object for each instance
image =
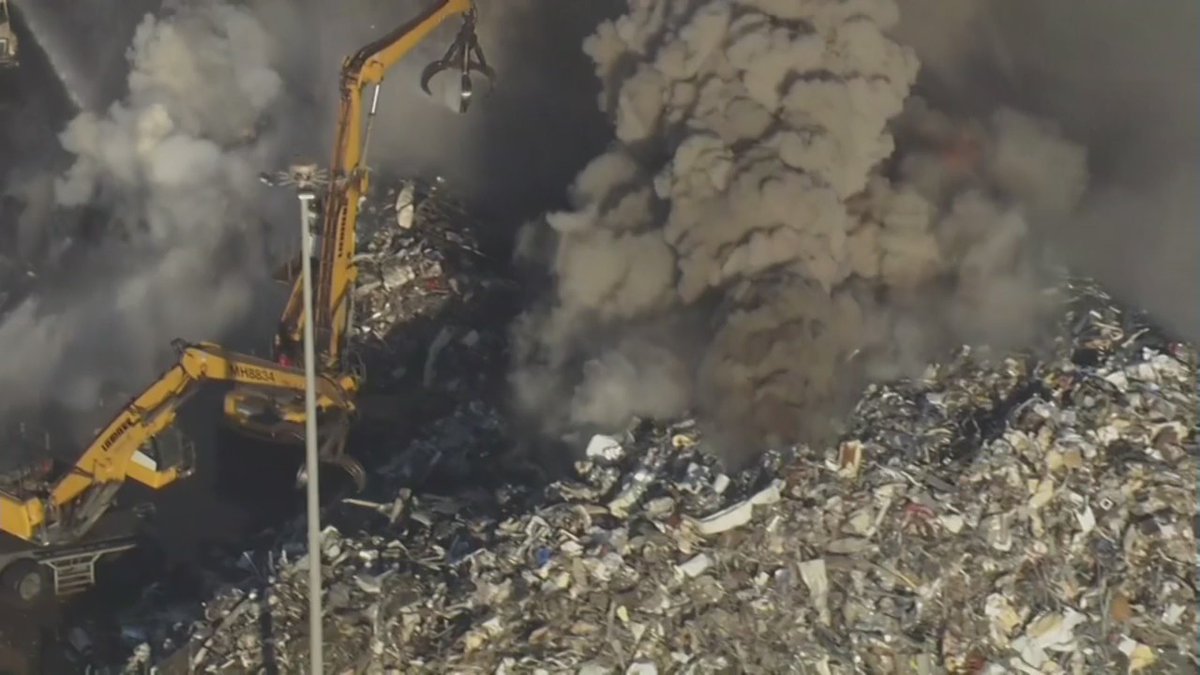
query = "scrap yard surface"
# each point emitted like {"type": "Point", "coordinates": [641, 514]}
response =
{"type": "Point", "coordinates": [671, 336]}
{"type": "Point", "coordinates": [1003, 512]}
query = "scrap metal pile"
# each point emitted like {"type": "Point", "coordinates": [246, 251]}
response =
{"type": "Point", "coordinates": [1000, 514]}
{"type": "Point", "coordinates": [418, 251]}
{"type": "Point", "coordinates": [429, 306]}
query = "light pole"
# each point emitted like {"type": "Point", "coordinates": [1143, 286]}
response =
{"type": "Point", "coordinates": [315, 641]}
{"type": "Point", "coordinates": [306, 179]}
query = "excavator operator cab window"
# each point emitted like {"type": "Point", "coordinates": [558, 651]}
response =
{"type": "Point", "coordinates": [172, 449]}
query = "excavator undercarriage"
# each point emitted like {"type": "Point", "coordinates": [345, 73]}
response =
{"type": "Point", "coordinates": [50, 512]}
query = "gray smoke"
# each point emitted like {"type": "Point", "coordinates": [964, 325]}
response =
{"type": "Point", "coordinates": [1121, 80]}
{"type": "Point", "coordinates": [217, 93]}
{"type": "Point", "coordinates": [85, 43]}
{"type": "Point", "coordinates": [752, 245]}
{"type": "Point", "coordinates": [173, 168]}
{"type": "Point", "coordinates": [515, 149]}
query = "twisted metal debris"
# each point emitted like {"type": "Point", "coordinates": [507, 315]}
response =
{"type": "Point", "coordinates": [1028, 513]}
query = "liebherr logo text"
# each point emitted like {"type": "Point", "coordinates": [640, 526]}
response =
{"type": "Point", "coordinates": [116, 434]}
{"type": "Point", "coordinates": [341, 238]}
{"type": "Point", "coordinates": [252, 373]}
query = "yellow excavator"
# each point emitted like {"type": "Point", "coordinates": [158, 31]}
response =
{"type": "Point", "coordinates": [50, 520]}
{"type": "Point", "coordinates": [58, 527]}
{"type": "Point", "coordinates": [336, 271]}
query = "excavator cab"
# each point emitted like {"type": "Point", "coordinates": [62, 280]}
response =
{"type": "Point", "coordinates": [8, 39]}
{"type": "Point", "coordinates": [171, 449]}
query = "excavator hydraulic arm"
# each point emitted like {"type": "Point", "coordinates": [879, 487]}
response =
{"type": "Point", "coordinates": [349, 177]}
{"type": "Point", "coordinates": [125, 447]}
{"type": "Point", "coordinates": [348, 183]}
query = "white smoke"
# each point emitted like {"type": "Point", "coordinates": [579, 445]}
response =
{"type": "Point", "coordinates": [174, 164]}
{"type": "Point", "coordinates": [753, 229]}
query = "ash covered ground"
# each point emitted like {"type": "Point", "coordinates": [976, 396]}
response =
{"type": "Point", "coordinates": [718, 416]}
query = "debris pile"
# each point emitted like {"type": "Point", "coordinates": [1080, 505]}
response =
{"type": "Point", "coordinates": [413, 239]}
{"type": "Point", "coordinates": [425, 286]}
{"type": "Point", "coordinates": [1029, 513]}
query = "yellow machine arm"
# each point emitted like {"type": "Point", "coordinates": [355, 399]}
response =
{"type": "Point", "coordinates": [126, 446]}
{"type": "Point", "coordinates": [348, 175]}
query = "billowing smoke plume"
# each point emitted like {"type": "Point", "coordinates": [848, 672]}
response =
{"type": "Point", "coordinates": [752, 244]}
{"type": "Point", "coordinates": [1120, 80]}
{"type": "Point", "coordinates": [172, 170]}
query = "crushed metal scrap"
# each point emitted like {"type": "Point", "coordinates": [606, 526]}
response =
{"type": "Point", "coordinates": [1000, 514]}
{"type": "Point", "coordinates": [419, 249]}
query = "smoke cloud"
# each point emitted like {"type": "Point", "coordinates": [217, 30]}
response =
{"type": "Point", "coordinates": [85, 42]}
{"type": "Point", "coordinates": [752, 245]}
{"type": "Point", "coordinates": [1119, 80]}
{"type": "Point", "coordinates": [779, 216]}
{"type": "Point", "coordinates": [172, 166]}
{"type": "Point", "coordinates": [515, 150]}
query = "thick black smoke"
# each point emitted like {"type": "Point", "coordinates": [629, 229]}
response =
{"type": "Point", "coordinates": [801, 193]}
{"type": "Point", "coordinates": [753, 244]}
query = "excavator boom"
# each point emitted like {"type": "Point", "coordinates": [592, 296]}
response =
{"type": "Point", "coordinates": [347, 187]}
{"type": "Point", "coordinates": [349, 178]}
{"type": "Point", "coordinates": [73, 504]}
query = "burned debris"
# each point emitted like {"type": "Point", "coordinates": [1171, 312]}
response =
{"type": "Point", "coordinates": [1028, 513]}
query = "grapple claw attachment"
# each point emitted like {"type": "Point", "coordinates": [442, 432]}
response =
{"type": "Point", "coordinates": [335, 454]}
{"type": "Point", "coordinates": [464, 92]}
{"type": "Point", "coordinates": [354, 469]}
{"type": "Point", "coordinates": [430, 70]}
{"type": "Point", "coordinates": [332, 451]}
{"type": "Point", "coordinates": [350, 465]}
{"type": "Point", "coordinates": [466, 55]}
